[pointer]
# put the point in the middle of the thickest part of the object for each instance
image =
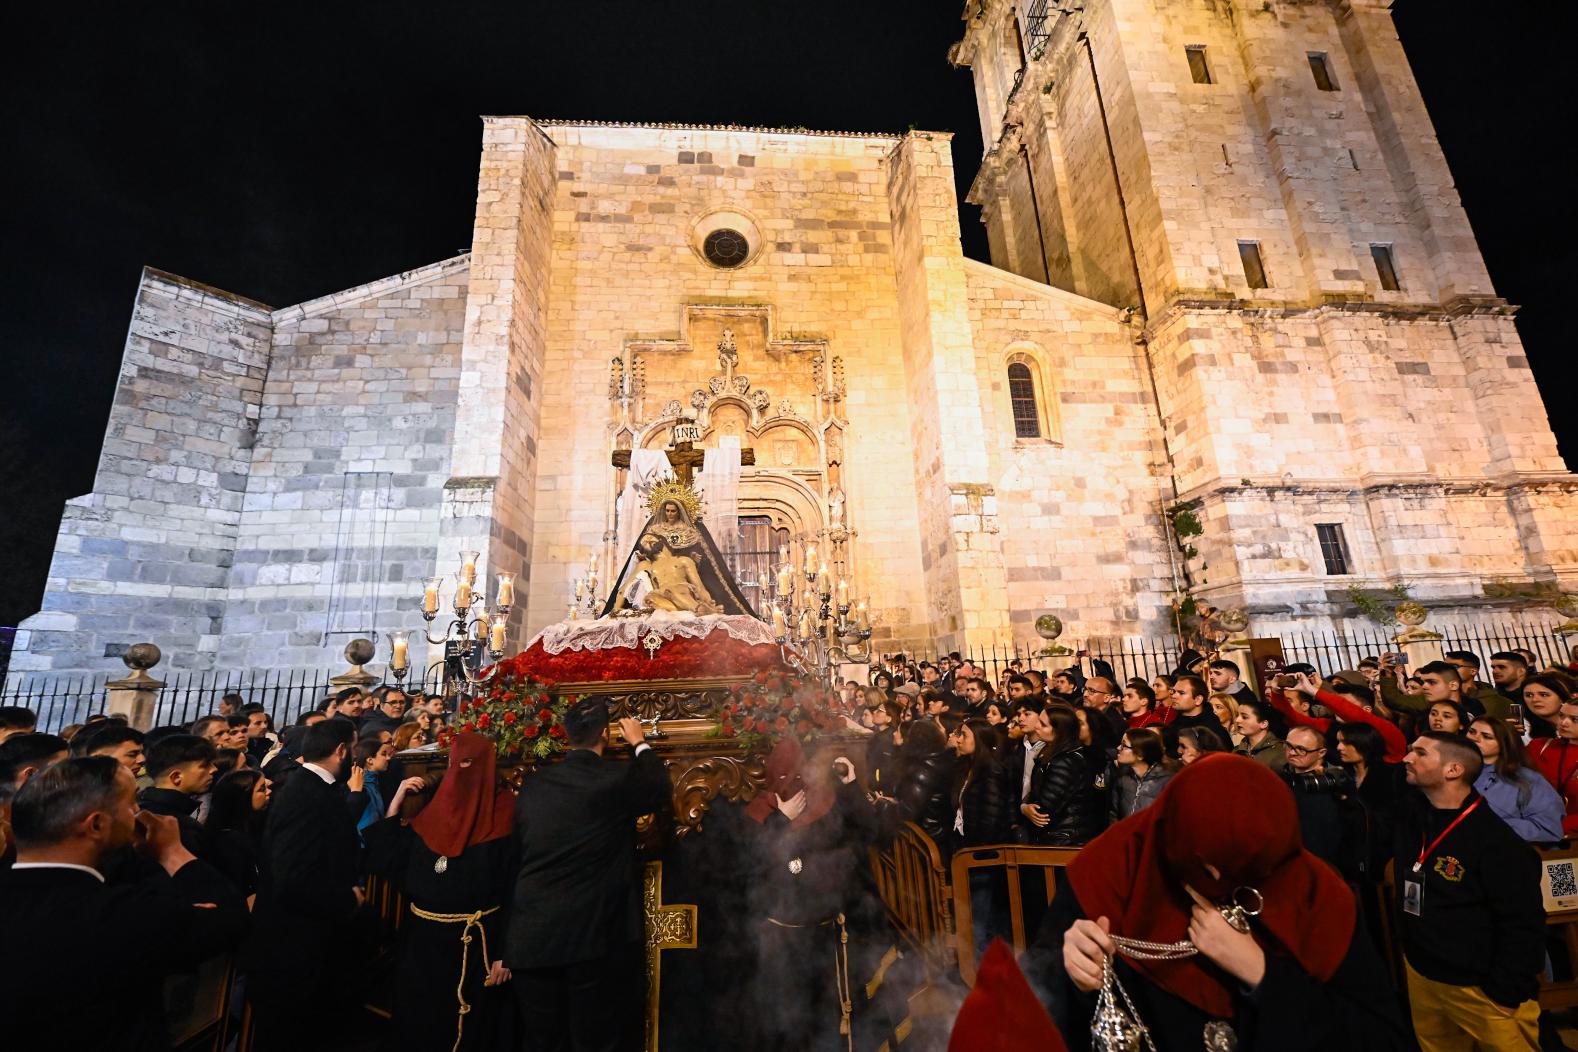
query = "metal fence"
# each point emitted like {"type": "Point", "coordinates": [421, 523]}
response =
{"type": "Point", "coordinates": [1328, 651]}
{"type": "Point", "coordinates": [286, 694]}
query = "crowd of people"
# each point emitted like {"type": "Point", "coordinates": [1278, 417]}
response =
{"type": "Point", "coordinates": [1451, 779]}
{"type": "Point", "coordinates": [1248, 832]}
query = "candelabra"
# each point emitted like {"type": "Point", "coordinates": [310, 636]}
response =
{"type": "Point", "coordinates": [817, 620]}
{"type": "Point", "coordinates": [475, 631]}
{"type": "Point", "coordinates": [585, 600]}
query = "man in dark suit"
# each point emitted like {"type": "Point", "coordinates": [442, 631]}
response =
{"type": "Point", "coordinates": [61, 985]}
{"type": "Point", "coordinates": [308, 900]}
{"type": "Point", "coordinates": [575, 929]}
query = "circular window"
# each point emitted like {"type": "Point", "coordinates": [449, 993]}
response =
{"type": "Point", "coordinates": [726, 248]}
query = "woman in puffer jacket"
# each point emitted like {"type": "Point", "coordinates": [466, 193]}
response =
{"type": "Point", "coordinates": [925, 781]}
{"type": "Point", "coordinates": [1062, 809]}
{"type": "Point", "coordinates": [1144, 769]}
{"type": "Point", "coordinates": [983, 806]}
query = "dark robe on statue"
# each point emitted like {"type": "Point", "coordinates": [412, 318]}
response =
{"type": "Point", "coordinates": [455, 861]}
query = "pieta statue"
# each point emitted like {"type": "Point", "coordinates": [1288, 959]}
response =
{"type": "Point", "coordinates": [675, 566]}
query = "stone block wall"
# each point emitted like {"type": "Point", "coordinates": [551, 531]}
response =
{"type": "Point", "coordinates": [146, 555]}
{"type": "Point", "coordinates": [342, 507]}
{"type": "Point", "coordinates": [1080, 507]}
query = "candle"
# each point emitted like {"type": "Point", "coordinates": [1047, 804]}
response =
{"type": "Point", "coordinates": [479, 629]}
{"type": "Point", "coordinates": [785, 579]}
{"type": "Point", "coordinates": [780, 626]}
{"type": "Point", "coordinates": [400, 658]}
{"type": "Point", "coordinates": [804, 628]}
{"type": "Point", "coordinates": [783, 553]}
{"type": "Point", "coordinates": [463, 594]}
{"type": "Point", "coordinates": [810, 558]}
{"type": "Point", "coordinates": [860, 614]}
{"type": "Point", "coordinates": [580, 589]}
{"type": "Point", "coordinates": [506, 590]}
{"type": "Point", "coordinates": [821, 579]}
{"type": "Point", "coordinates": [496, 636]}
{"type": "Point", "coordinates": [430, 595]}
{"type": "Point", "coordinates": [761, 583]}
{"type": "Point", "coordinates": [843, 592]}
{"type": "Point", "coordinates": [468, 566]}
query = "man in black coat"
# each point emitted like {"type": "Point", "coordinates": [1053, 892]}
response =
{"type": "Point", "coordinates": [182, 768]}
{"type": "Point", "coordinates": [308, 900]}
{"type": "Point", "coordinates": [575, 928]}
{"type": "Point", "coordinates": [62, 984]}
{"type": "Point", "coordinates": [1470, 911]}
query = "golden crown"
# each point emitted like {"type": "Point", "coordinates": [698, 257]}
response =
{"type": "Point", "coordinates": [678, 492]}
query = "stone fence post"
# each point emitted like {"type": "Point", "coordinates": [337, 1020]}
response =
{"type": "Point", "coordinates": [137, 696]}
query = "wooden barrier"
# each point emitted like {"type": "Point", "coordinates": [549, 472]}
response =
{"type": "Point", "coordinates": [914, 887]}
{"type": "Point", "coordinates": [1013, 859]}
{"type": "Point", "coordinates": [197, 1006]}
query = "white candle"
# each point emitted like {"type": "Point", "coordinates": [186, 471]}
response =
{"type": "Point", "coordinates": [804, 629]}
{"type": "Point", "coordinates": [463, 595]}
{"type": "Point", "coordinates": [785, 579]}
{"type": "Point", "coordinates": [506, 589]}
{"type": "Point", "coordinates": [496, 637]}
{"type": "Point", "coordinates": [810, 558]}
{"type": "Point", "coordinates": [843, 592]}
{"type": "Point", "coordinates": [468, 568]}
{"type": "Point", "coordinates": [580, 589]}
{"type": "Point", "coordinates": [430, 596]}
{"type": "Point", "coordinates": [761, 582]}
{"type": "Point", "coordinates": [400, 658]}
{"type": "Point", "coordinates": [780, 626]}
{"type": "Point", "coordinates": [821, 578]}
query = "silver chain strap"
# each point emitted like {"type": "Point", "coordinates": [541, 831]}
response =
{"type": "Point", "coordinates": [1111, 1028]}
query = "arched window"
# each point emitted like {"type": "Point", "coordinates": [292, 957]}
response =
{"type": "Point", "coordinates": [1022, 396]}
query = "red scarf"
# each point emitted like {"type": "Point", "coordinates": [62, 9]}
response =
{"type": "Point", "coordinates": [471, 805]}
{"type": "Point", "coordinates": [783, 781]}
{"type": "Point", "coordinates": [1134, 873]}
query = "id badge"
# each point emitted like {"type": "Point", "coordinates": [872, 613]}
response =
{"type": "Point", "coordinates": [1413, 894]}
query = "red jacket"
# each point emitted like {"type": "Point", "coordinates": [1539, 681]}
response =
{"type": "Point", "coordinates": [1148, 718]}
{"type": "Point", "coordinates": [1557, 760]}
{"type": "Point", "coordinates": [1346, 711]}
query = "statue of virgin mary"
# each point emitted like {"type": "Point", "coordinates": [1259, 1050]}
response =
{"type": "Point", "coordinates": [675, 566]}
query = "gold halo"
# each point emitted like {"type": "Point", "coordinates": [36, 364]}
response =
{"type": "Point", "coordinates": [676, 491]}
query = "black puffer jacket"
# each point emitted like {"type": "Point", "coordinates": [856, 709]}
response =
{"type": "Point", "coordinates": [988, 807]}
{"type": "Point", "coordinates": [924, 796]}
{"type": "Point", "coordinates": [1062, 789]}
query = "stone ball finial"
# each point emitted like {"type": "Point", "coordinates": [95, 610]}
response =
{"type": "Point", "coordinates": [360, 651]}
{"type": "Point", "coordinates": [140, 657]}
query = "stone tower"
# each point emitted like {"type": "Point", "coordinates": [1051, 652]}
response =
{"type": "Point", "coordinates": [1339, 384]}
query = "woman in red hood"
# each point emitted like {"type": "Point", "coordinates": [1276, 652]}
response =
{"type": "Point", "coordinates": [1287, 970]}
{"type": "Point", "coordinates": [455, 865]}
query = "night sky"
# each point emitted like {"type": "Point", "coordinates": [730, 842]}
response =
{"type": "Point", "coordinates": [318, 146]}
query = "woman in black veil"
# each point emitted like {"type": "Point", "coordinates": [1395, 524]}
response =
{"type": "Point", "coordinates": [676, 566]}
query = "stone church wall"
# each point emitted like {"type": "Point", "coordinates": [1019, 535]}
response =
{"type": "Point", "coordinates": [347, 477]}
{"type": "Point", "coordinates": [146, 554]}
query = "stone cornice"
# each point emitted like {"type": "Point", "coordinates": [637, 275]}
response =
{"type": "Point", "coordinates": [1182, 305]}
{"type": "Point", "coordinates": [373, 289]}
{"type": "Point", "coordinates": [1396, 485]}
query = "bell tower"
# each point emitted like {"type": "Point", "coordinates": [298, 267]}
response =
{"type": "Point", "coordinates": [1259, 182]}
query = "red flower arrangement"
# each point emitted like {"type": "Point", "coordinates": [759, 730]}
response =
{"type": "Point", "coordinates": [517, 712]}
{"type": "Point", "coordinates": [774, 705]}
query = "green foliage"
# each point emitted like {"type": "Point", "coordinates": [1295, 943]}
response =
{"type": "Point", "coordinates": [1379, 606]}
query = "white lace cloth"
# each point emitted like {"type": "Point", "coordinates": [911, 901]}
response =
{"type": "Point", "coordinates": [605, 633]}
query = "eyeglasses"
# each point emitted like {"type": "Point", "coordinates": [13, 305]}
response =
{"type": "Point", "coordinates": [1299, 750]}
{"type": "Point", "coordinates": [1125, 745]}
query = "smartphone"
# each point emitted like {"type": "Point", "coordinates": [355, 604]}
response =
{"type": "Point", "coordinates": [1286, 680]}
{"type": "Point", "coordinates": [1515, 714]}
{"type": "Point", "coordinates": [1398, 658]}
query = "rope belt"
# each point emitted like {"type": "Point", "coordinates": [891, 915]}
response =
{"type": "Point", "coordinates": [470, 920]}
{"type": "Point", "coordinates": [840, 971]}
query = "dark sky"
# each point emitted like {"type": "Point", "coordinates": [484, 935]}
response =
{"type": "Point", "coordinates": [314, 147]}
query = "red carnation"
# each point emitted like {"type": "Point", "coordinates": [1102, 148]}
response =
{"type": "Point", "coordinates": [468, 727]}
{"type": "Point", "coordinates": [727, 729]}
{"type": "Point", "coordinates": [544, 715]}
{"type": "Point", "coordinates": [509, 717]}
{"type": "Point", "coordinates": [532, 730]}
{"type": "Point", "coordinates": [483, 721]}
{"type": "Point", "coordinates": [556, 731]}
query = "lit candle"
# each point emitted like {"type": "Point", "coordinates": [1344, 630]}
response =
{"type": "Point", "coordinates": [785, 579]}
{"type": "Point", "coordinates": [430, 595]}
{"type": "Point", "coordinates": [860, 614]}
{"type": "Point", "coordinates": [761, 582]}
{"type": "Point", "coordinates": [821, 579]}
{"type": "Point", "coordinates": [780, 626]}
{"type": "Point", "coordinates": [506, 590]}
{"type": "Point", "coordinates": [580, 589]}
{"type": "Point", "coordinates": [804, 629]}
{"type": "Point", "coordinates": [400, 657]}
{"type": "Point", "coordinates": [843, 592]}
{"type": "Point", "coordinates": [462, 594]}
{"type": "Point", "coordinates": [810, 558]}
{"type": "Point", "coordinates": [479, 629]}
{"type": "Point", "coordinates": [783, 553]}
{"type": "Point", "coordinates": [496, 636]}
{"type": "Point", "coordinates": [468, 567]}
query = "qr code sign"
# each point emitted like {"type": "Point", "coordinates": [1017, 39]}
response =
{"type": "Point", "coordinates": [1563, 881]}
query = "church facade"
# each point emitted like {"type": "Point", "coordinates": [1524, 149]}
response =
{"type": "Point", "coordinates": [1229, 273]}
